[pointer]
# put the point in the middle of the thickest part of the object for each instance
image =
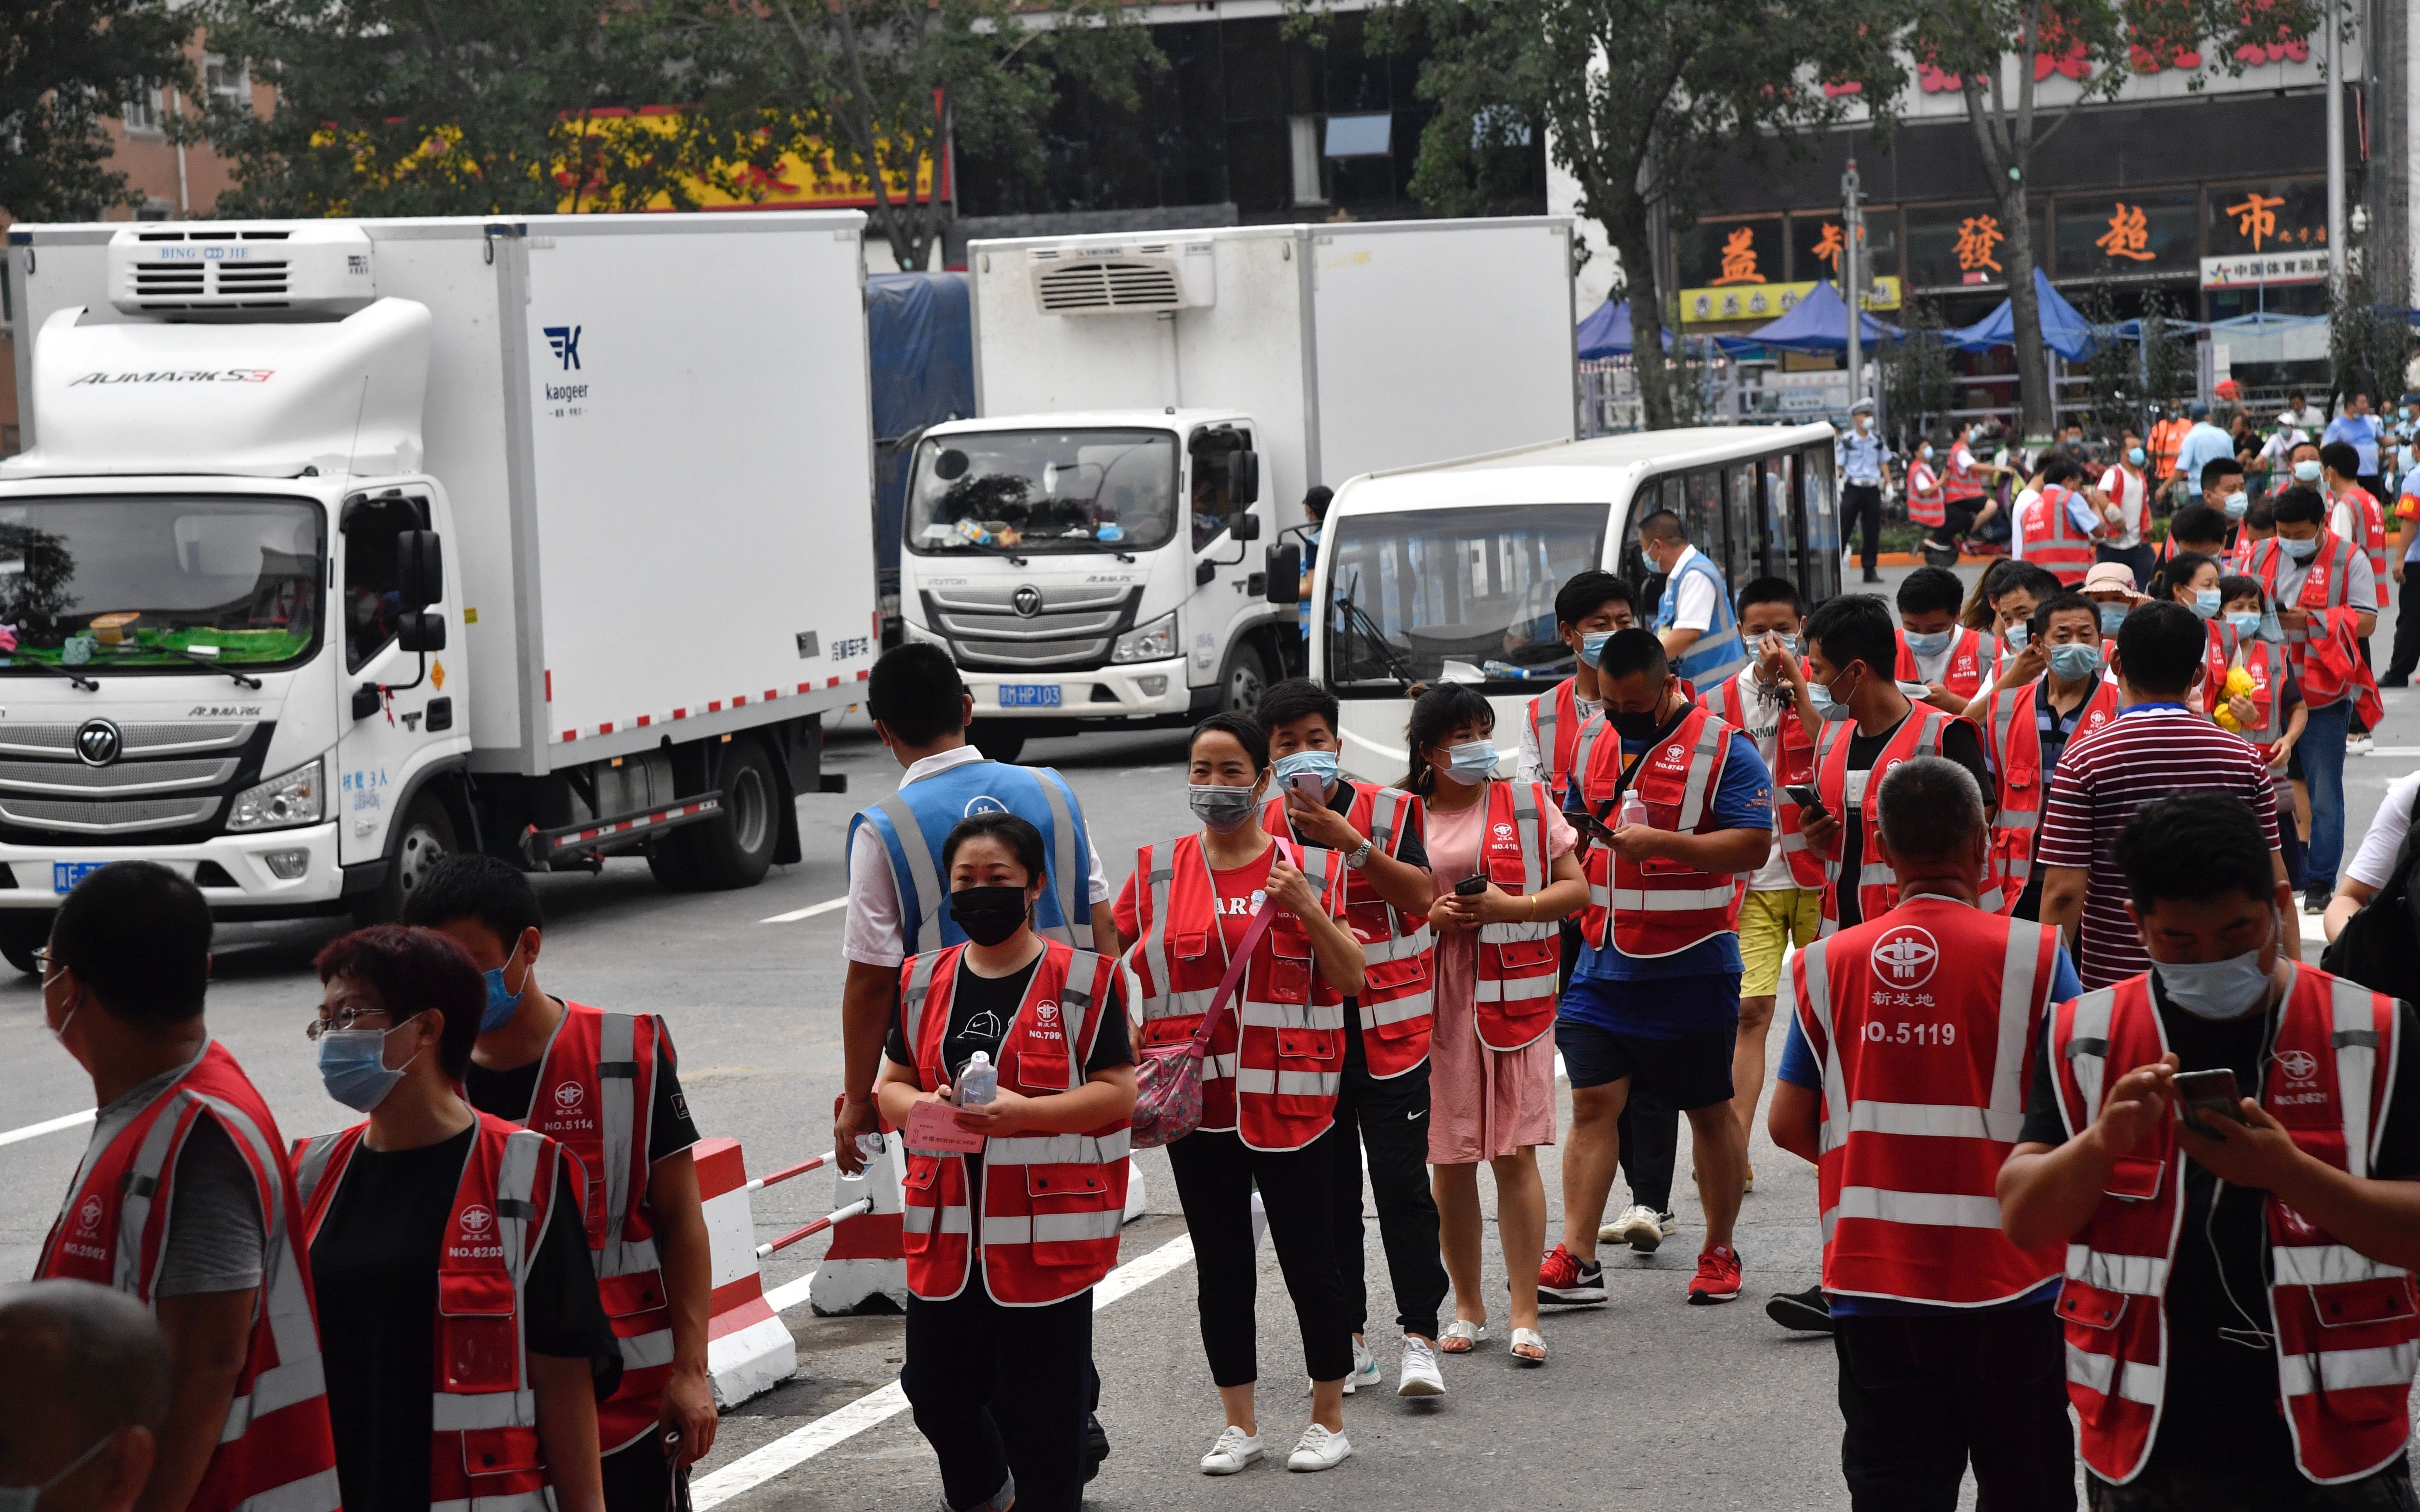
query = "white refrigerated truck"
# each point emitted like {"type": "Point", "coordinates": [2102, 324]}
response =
{"type": "Point", "coordinates": [339, 545]}
{"type": "Point", "coordinates": [1153, 405]}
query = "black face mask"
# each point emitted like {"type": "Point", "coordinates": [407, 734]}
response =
{"type": "Point", "coordinates": [988, 915]}
{"type": "Point", "coordinates": [1631, 726]}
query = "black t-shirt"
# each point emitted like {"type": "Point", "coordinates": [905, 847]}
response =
{"type": "Point", "coordinates": [980, 1009]}
{"type": "Point", "coordinates": [374, 1268]}
{"type": "Point", "coordinates": [1961, 743]}
{"type": "Point", "coordinates": [2223, 1415]}
{"type": "Point", "coordinates": [510, 1094]}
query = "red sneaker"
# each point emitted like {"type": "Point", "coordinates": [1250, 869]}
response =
{"type": "Point", "coordinates": [1717, 1278]}
{"type": "Point", "coordinates": [1562, 1277]}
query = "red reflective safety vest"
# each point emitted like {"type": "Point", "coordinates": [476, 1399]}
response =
{"type": "Point", "coordinates": [484, 1447]}
{"type": "Point", "coordinates": [1924, 494]}
{"type": "Point", "coordinates": [1918, 734]}
{"type": "Point", "coordinates": [2051, 541]}
{"type": "Point", "coordinates": [1518, 963]}
{"type": "Point", "coordinates": [1398, 993]}
{"type": "Point", "coordinates": [1793, 760]}
{"type": "Point", "coordinates": [2265, 664]}
{"type": "Point", "coordinates": [2324, 588]}
{"type": "Point", "coordinates": [276, 1448]}
{"type": "Point", "coordinates": [2347, 1327]}
{"type": "Point", "coordinates": [1973, 656]}
{"type": "Point", "coordinates": [1964, 480]}
{"type": "Point", "coordinates": [2373, 529]}
{"type": "Point", "coordinates": [596, 1096]}
{"type": "Point", "coordinates": [2012, 744]}
{"type": "Point", "coordinates": [1051, 1202]}
{"type": "Point", "coordinates": [1554, 725]}
{"type": "Point", "coordinates": [1924, 1022]}
{"type": "Point", "coordinates": [1660, 908]}
{"type": "Point", "coordinates": [1277, 1058]}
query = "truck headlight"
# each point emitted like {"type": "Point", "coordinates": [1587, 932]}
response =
{"type": "Point", "coordinates": [290, 799]}
{"type": "Point", "coordinates": [1156, 641]}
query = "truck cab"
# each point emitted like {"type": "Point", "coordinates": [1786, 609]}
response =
{"type": "Point", "coordinates": [1095, 566]}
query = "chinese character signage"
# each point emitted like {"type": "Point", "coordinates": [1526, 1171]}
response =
{"type": "Point", "coordinates": [2295, 266]}
{"type": "Point", "coordinates": [1766, 301]}
{"type": "Point", "coordinates": [2129, 233]}
{"type": "Point", "coordinates": [1741, 254]}
{"type": "Point", "coordinates": [2286, 215]}
{"type": "Point", "coordinates": [1954, 246]}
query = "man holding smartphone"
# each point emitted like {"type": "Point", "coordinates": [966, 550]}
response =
{"type": "Point", "coordinates": [2239, 1308]}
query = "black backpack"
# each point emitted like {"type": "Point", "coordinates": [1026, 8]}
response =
{"type": "Point", "coordinates": [2379, 947]}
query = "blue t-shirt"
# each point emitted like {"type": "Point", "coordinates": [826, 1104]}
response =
{"type": "Point", "coordinates": [1798, 1068]}
{"type": "Point", "coordinates": [2362, 431]}
{"type": "Point", "coordinates": [1743, 801]}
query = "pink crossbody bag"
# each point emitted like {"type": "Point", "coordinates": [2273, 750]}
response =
{"type": "Point", "coordinates": [1168, 1077]}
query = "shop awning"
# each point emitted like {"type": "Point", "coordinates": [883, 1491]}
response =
{"type": "Point", "coordinates": [2063, 330]}
{"type": "Point", "coordinates": [1819, 323]}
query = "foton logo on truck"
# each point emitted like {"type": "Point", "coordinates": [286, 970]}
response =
{"type": "Point", "coordinates": [225, 375]}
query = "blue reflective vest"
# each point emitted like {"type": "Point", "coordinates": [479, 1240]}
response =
{"type": "Point", "coordinates": [913, 822]}
{"type": "Point", "coordinates": [1717, 654]}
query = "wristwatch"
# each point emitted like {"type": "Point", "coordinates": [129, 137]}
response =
{"type": "Point", "coordinates": [1354, 861]}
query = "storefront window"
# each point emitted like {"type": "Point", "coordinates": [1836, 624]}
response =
{"type": "Point", "coordinates": [1816, 240]}
{"type": "Point", "coordinates": [1955, 246]}
{"type": "Point", "coordinates": [2288, 214]}
{"type": "Point", "coordinates": [1732, 253]}
{"type": "Point", "coordinates": [2128, 233]}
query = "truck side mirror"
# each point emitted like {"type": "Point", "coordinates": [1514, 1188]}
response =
{"type": "Point", "coordinates": [1285, 572]}
{"type": "Point", "coordinates": [1242, 480]}
{"type": "Point", "coordinates": [420, 630]}
{"type": "Point", "coordinates": [420, 570]}
{"type": "Point", "coordinates": [1244, 527]}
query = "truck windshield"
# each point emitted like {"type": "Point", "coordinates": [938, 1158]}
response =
{"type": "Point", "coordinates": [104, 581]}
{"type": "Point", "coordinates": [1461, 596]}
{"type": "Point", "coordinates": [1044, 490]}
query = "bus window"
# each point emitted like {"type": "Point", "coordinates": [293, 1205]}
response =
{"type": "Point", "coordinates": [1702, 521]}
{"type": "Point", "coordinates": [1778, 524]}
{"type": "Point", "coordinates": [1822, 521]}
{"type": "Point", "coordinates": [1739, 504]}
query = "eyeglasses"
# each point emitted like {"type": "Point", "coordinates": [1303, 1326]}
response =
{"type": "Point", "coordinates": [345, 1019]}
{"type": "Point", "coordinates": [42, 959]}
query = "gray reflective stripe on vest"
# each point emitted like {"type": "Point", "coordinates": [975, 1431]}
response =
{"type": "Point", "coordinates": [921, 875]}
{"type": "Point", "coordinates": [1528, 827]}
{"type": "Point", "coordinates": [1386, 818]}
{"type": "Point", "coordinates": [2299, 1375]}
{"type": "Point", "coordinates": [1219, 1068]}
{"type": "Point", "coordinates": [1591, 732]}
{"type": "Point", "coordinates": [2328, 1265]}
{"type": "Point", "coordinates": [2096, 1372]}
{"type": "Point", "coordinates": [1671, 901]}
{"type": "Point", "coordinates": [1712, 736]}
{"type": "Point", "coordinates": [285, 1300]}
{"type": "Point", "coordinates": [316, 1492]}
{"type": "Point", "coordinates": [1935, 1120]}
{"type": "Point", "coordinates": [1544, 717]}
{"type": "Point", "coordinates": [1514, 988]}
{"type": "Point", "coordinates": [2356, 1038]}
{"type": "Point", "coordinates": [1052, 1227]}
{"type": "Point", "coordinates": [1288, 1083]}
{"type": "Point", "coordinates": [1396, 1009]}
{"type": "Point", "coordinates": [516, 1178]}
{"type": "Point", "coordinates": [617, 1083]}
{"type": "Point", "coordinates": [312, 1166]}
{"type": "Point", "coordinates": [911, 1003]}
{"type": "Point", "coordinates": [540, 1501]}
{"type": "Point", "coordinates": [1074, 883]}
{"type": "Point", "coordinates": [644, 1352]}
{"type": "Point", "coordinates": [2022, 993]}
{"type": "Point", "coordinates": [1058, 1149]}
{"type": "Point", "coordinates": [2087, 1050]}
{"type": "Point", "coordinates": [1836, 1081]}
{"type": "Point", "coordinates": [2135, 1275]}
{"type": "Point", "coordinates": [1154, 944]}
{"type": "Point", "coordinates": [142, 1186]}
{"type": "Point", "coordinates": [1397, 946]}
{"type": "Point", "coordinates": [1931, 1210]}
{"type": "Point", "coordinates": [1291, 1015]}
{"type": "Point", "coordinates": [1524, 821]}
{"type": "Point", "coordinates": [1075, 1003]}
{"type": "Point", "coordinates": [918, 1220]}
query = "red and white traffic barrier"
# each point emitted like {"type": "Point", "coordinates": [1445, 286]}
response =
{"type": "Point", "coordinates": [868, 1257]}
{"type": "Point", "coordinates": [747, 1349]}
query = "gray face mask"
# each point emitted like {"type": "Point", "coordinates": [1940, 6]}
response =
{"type": "Point", "coordinates": [27, 1498]}
{"type": "Point", "coordinates": [1224, 809]}
{"type": "Point", "coordinates": [2216, 990]}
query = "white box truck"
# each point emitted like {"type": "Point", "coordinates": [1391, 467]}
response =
{"type": "Point", "coordinates": [339, 545]}
{"type": "Point", "coordinates": [1152, 405]}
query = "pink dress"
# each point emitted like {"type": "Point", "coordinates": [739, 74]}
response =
{"type": "Point", "coordinates": [1482, 1102]}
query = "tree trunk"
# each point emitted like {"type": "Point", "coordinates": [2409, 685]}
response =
{"type": "Point", "coordinates": [1630, 234]}
{"type": "Point", "coordinates": [2036, 405]}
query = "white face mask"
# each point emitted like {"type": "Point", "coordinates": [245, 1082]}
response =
{"type": "Point", "coordinates": [26, 1498]}
{"type": "Point", "coordinates": [2218, 991]}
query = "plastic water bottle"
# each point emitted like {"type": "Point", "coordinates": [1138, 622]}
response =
{"type": "Point", "coordinates": [978, 1083]}
{"type": "Point", "coordinates": [1634, 811]}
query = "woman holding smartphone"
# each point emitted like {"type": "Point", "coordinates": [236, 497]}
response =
{"type": "Point", "coordinates": [1507, 870]}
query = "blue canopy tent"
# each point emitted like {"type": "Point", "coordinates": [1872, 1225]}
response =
{"type": "Point", "coordinates": [1819, 323]}
{"type": "Point", "coordinates": [1605, 332]}
{"type": "Point", "coordinates": [2064, 331]}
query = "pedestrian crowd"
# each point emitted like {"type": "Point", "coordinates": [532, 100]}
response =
{"type": "Point", "coordinates": [2105, 1168]}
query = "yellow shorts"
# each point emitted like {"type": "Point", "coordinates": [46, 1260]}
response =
{"type": "Point", "coordinates": [1770, 922]}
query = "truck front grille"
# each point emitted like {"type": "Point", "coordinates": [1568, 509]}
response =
{"type": "Point", "coordinates": [170, 783]}
{"type": "Point", "coordinates": [1033, 626]}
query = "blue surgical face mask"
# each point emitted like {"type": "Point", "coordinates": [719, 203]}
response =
{"type": "Point", "coordinates": [2299, 550]}
{"type": "Point", "coordinates": [1929, 642]}
{"type": "Point", "coordinates": [2111, 616]}
{"type": "Point", "coordinates": [2245, 624]}
{"type": "Point", "coordinates": [502, 1001]}
{"type": "Point", "coordinates": [1826, 707]}
{"type": "Point", "coordinates": [2216, 990]}
{"type": "Point", "coordinates": [1318, 763]}
{"type": "Point", "coordinates": [353, 1068]}
{"type": "Point", "coordinates": [2134, 455]}
{"type": "Point", "coordinates": [2237, 505]}
{"type": "Point", "coordinates": [1472, 761]}
{"type": "Point", "coordinates": [2306, 472]}
{"type": "Point", "coordinates": [2074, 661]}
{"type": "Point", "coordinates": [1592, 645]}
{"type": "Point", "coordinates": [1925, 451]}
{"type": "Point", "coordinates": [2206, 602]}
{"type": "Point", "coordinates": [2015, 635]}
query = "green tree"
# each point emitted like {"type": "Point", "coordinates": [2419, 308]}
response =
{"type": "Point", "coordinates": [2115, 369]}
{"type": "Point", "coordinates": [65, 67]}
{"type": "Point", "coordinates": [1642, 100]}
{"type": "Point", "coordinates": [2168, 359]}
{"type": "Point", "coordinates": [884, 89]}
{"type": "Point", "coordinates": [2369, 342]}
{"type": "Point", "coordinates": [449, 107]}
{"type": "Point", "coordinates": [1991, 48]}
{"type": "Point", "coordinates": [1918, 381]}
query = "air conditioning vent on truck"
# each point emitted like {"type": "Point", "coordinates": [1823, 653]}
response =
{"type": "Point", "coordinates": [1121, 281]}
{"type": "Point", "coordinates": [230, 271]}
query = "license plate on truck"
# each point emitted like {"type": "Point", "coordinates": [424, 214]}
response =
{"type": "Point", "coordinates": [1029, 695]}
{"type": "Point", "coordinates": [65, 874]}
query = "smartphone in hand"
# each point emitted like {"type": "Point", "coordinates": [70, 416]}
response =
{"type": "Point", "coordinates": [2213, 1092]}
{"type": "Point", "coordinates": [1805, 796]}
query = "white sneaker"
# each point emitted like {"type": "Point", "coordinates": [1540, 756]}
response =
{"type": "Point", "coordinates": [1636, 1226]}
{"type": "Point", "coordinates": [1234, 1449]}
{"type": "Point", "coordinates": [1318, 1449]}
{"type": "Point", "coordinates": [1365, 1370]}
{"type": "Point", "coordinates": [2359, 743]}
{"type": "Point", "coordinates": [1420, 1376]}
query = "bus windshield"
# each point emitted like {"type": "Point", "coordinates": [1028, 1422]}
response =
{"type": "Point", "coordinates": [1463, 594]}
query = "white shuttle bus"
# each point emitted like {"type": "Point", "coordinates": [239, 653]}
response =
{"type": "Point", "coordinates": [1447, 573]}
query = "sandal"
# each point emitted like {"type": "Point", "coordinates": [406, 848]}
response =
{"type": "Point", "coordinates": [1461, 1338]}
{"type": "Point", "coordinates": [1528, 1339]}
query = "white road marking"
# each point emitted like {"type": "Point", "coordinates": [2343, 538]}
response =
{"type": "Point", "coordinates": [35, 1131]}
{"type": "Point", "coordinates": [877, 1407]}
{"type": "Point", "coordinates": [2390, 751]}
{"type": "Point", "coordinates": [807, 912]}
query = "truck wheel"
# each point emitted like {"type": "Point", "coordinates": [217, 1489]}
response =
{"type": "Point", "coordinates": [426, 838]}
{"type": "Point", "coordinates": [22, 931]}
{"type": "Point", "coordinates": [1245, 680]}
{"type": "Point", "coordinates": [735, 849]}
{"type": "Point", "coordinates": [998, 739]}
{"type": "Point", "coordinates": [668, 860]}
